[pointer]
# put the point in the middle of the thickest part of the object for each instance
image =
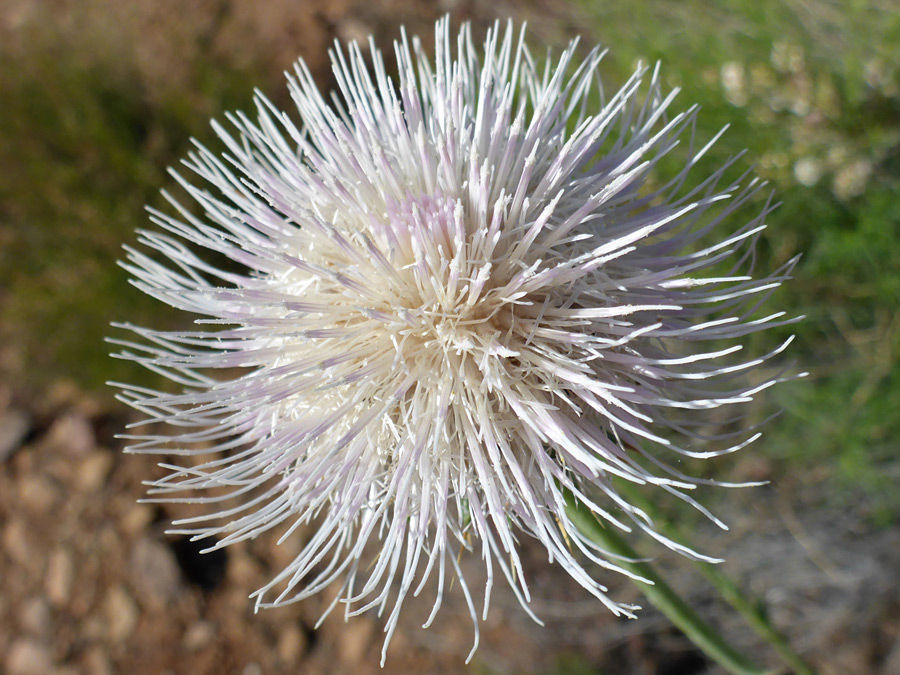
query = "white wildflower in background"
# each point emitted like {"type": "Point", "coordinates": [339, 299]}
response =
{"type": "Point", "coordinates": [450, 301]}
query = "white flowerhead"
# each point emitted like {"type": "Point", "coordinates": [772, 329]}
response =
{"type": "Point", "coordinates": [452, 300]}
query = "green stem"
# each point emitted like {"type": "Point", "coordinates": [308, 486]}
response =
{"type": "Point", "coordinates": [753, 614]}
{"type": "Point", "coordinates": [661, 594]}
{"type": "Point", "coordinates": [754, 617]}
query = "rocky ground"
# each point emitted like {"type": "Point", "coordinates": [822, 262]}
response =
{"type": "Point", "coordinates": [92, 584]}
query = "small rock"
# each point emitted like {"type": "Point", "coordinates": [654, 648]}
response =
{"type": "Point", "coordinates": [92, 629]}
{"type": "Point", "coordinates": [35, 616]}
{"type": "Point", "coordinates": [199, 635]}
{"type": "Point", "coordinates": [60, 574]}
{"type": "Point", "coordinates": [354, 641]}
{"type": "Point", "coordinates": [36, 493]}
{"type": "Point", "coordinates": [121, 613]}
{"type": "Point", "coordinates": [291, 644]}
{"type": "Point", "coordinates": [243, 570]}
{"type": "Point", "coordinates": [136, 519]}
{"type": "Point", "coordinates": [354, 30]}
{"type": "Point", "coordinates": [72, 434]}
{"type": "Point", "coordinates": [154, 573]}
{"type": "Point", "coordinates": [65, 394]}
{"type": "Point", "coordinates": [14, 427]}
{"type": "Point", "coordinates": [97, 662]}
{"type": "Point", "coordinates": [93, 469]}
{"type": "Point", "coordinates": [27, 657]}
{"type": "Point", "coordinates": [17, 542]}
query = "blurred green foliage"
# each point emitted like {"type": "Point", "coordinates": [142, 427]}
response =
{"type": "Point", "coordinates": [84, 146]}
{"type": "Point", "coordinates": [812, 90]}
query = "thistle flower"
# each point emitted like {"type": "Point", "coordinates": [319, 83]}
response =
{"type": "Point", "coordinates": [441, 307]}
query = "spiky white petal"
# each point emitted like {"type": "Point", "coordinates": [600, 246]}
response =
{"type": "Point", "coordinates": [449, 301]}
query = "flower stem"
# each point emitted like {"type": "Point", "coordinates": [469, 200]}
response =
{"type": "Point", "coordinates": [730, 592]}
{"type": "Point", "coordinates": [661, 594]}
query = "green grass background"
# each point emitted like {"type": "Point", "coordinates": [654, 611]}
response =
{"type": "Point", "coordinates": [812, 89]}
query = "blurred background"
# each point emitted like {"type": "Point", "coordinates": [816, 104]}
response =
{"type": "Point", "coordinates": [99, 97]}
